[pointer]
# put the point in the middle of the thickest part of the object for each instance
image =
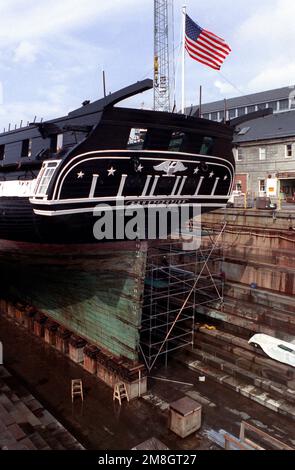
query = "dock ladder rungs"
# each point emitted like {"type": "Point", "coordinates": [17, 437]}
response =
{"type": "Point", "coordinates": [120, 392]}
{"type": "Point", "coordinates": [77, 389]}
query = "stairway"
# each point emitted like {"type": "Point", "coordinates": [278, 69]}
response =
{"type": "Point", "coordinates": [230, 360]}
{"type": "Point", "coordinates": [25, 424]}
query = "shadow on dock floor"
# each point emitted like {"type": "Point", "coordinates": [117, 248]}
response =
{"type": "Point", "coordinates": [102, 425]}
{"type": "Point", "coordinates": [99, 424]}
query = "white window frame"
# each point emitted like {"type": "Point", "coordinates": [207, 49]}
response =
{"type": "Point", "coordinates": [44, 178]}
{"type": "Point", "coordinates": [262, 154]}
{"type": "Point", "coordinates": [239, 158]}
{"type": "Point", "coordinates": [236, 154]}
{"type": "Point", "coordinates": [59, 142]}
{"type": "Point", "coordinates": [259, 185]}
{"type": "Point", "coordinates": [30, 145]}
{"type": "Point", "coordinates": [30, 148]}
{"type": "Point", "coordinates": [286, 151]}
{"type": "Point", "coordinates": [232, 109]}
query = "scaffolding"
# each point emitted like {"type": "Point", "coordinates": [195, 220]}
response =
{"type": "Point", "coordinates": [163, 25]}
{"type": "Point", "coordinates": [178, 280]}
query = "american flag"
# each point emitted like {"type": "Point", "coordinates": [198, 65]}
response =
{"type": "Point", "coordinates": [204, 46]}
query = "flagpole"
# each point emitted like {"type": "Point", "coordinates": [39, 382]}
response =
{"type": "Point", "coordinates": [183, 60]}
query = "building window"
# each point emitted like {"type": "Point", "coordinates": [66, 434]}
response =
{"type": "Point", "coordinates": [250, 109]}
{"type": "Point", "coordinates": [283, 105]}
{"type": "Point", "coordinates": [262, 153]}
{"type": "Point", "coordinates": [240, 156]}
{"type": "Point", "coordinates": [206, 116]}
{"type": "Point", "coordinates": [292, 99]}
{"type": "Point", "coordinates": [221, 115]}
{"type": "Point", "coordinates": [56, 143]}
{"type": "Point", "coordinates": [244, 130]}
{"type": "Point", "coordinates": [27, 148]}
{"type": "Point", "coordinates": [60, 142]}
{"type": "Point", "coordinates": [273, 105]}
{"type": "Point", "coordinates": [261, 106]}
{"type": "Point", "coordinates": [262, 186]}
{"type": "Point", "coordinates": [232, 113]}
{"type": "Point", "coordinates": [239, 186]}
{"type": "Point", "coordinates": [289, 151]}
{"type": "Point", "coordinates": [214, 116]}
{"type": "Point", "coordinates": [241, 112]}
{"type": "Point", "coordinates": [53, 143]}
{"type": "Point", "coordinates": [2, 152]}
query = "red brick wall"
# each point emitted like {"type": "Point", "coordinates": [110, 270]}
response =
{"type": "Point", "coordinates": [243, 178]}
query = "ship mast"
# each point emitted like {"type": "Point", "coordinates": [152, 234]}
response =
{"type": "Point", "coordinates": [163, 65]}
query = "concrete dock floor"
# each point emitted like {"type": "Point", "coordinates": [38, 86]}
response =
{"type": "Point", "coordinates": [25, 424]}
{"type": "Point", "coordinates": [99, 424]}
{"type": "Point", "coordinates": [102, 425]}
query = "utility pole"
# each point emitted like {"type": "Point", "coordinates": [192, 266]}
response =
{"type": "Point", "coordinates": [163, 26]}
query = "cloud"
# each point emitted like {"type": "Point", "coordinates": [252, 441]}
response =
{"type": "Point", "coordinates": [30, 20]}
{"type": "Point", "coordinates": [271, 27]}
{"type": "Point", "coordinates": [14, 112]}
{"type": "Point", "coordinates": [274, 76]}
{"type": "Point", "coordinates": [26, 52]}
{"type": "Point", "coordinates": [224, 88]}
{"type": "Point", "coordinates": [266, 39]}
{"type": "Point", "coordinates": [58, 48]}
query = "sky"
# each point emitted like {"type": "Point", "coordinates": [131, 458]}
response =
{"type": "Point", "coordinates": [52, 53]}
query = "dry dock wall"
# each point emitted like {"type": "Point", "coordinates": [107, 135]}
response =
{"type": "Point", "coordinates": [259, 266]}
{"type": "Point", "coordinates": [93, 291]}
{"type": "Point", "coordinates": [257, 248]}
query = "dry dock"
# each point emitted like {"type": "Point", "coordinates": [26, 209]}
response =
{"type": "Point", "coordinates": [204, 334]}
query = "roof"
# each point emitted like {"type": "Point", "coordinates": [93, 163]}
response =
{"type": "Point", "coordinates": [246, 100]}
{"type": "Point", "coordinates": [151, 444]}
{"type": "Point", "coordinates": [274, 126]}
{"type": "Point", "coordinates": [185, 406]}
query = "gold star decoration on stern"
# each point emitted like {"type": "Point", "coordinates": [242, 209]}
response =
{"type": "Point", "coordinates": [139, 168]}
{"type": "Point", "coordinates": [196, 171]}
{"type": "Point", "coordinates": [80, 175]}
{"type": "Point", "coordinates": [211, 174]}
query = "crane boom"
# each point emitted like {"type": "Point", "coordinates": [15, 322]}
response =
{"type": "Point", "coordinates": [162, 55]}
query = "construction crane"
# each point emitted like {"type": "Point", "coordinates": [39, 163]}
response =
{"type": "Point", "coordinates": [163, 65]}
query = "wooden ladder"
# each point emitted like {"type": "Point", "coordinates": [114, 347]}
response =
{"type": "Point", "coordinates": [77, 389]}
{"type": "Point", "coordinates": [120, 392]}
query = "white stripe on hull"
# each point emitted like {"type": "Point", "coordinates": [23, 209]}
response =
{"type": "Point", "coordinates": [92, 209]}
{"type": "Point", "coordinates": [18, 188]}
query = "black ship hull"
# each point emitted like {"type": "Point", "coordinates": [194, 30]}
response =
{"type": "Point", "coordinates": [121, 184]}
{"type": "Point", "coordinates": [118, 169]}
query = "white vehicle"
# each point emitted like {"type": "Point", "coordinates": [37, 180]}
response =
{"type": "Point", "coordinates": [276, 349]}
{"type": "Point", "coordinates": [233, 198]}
